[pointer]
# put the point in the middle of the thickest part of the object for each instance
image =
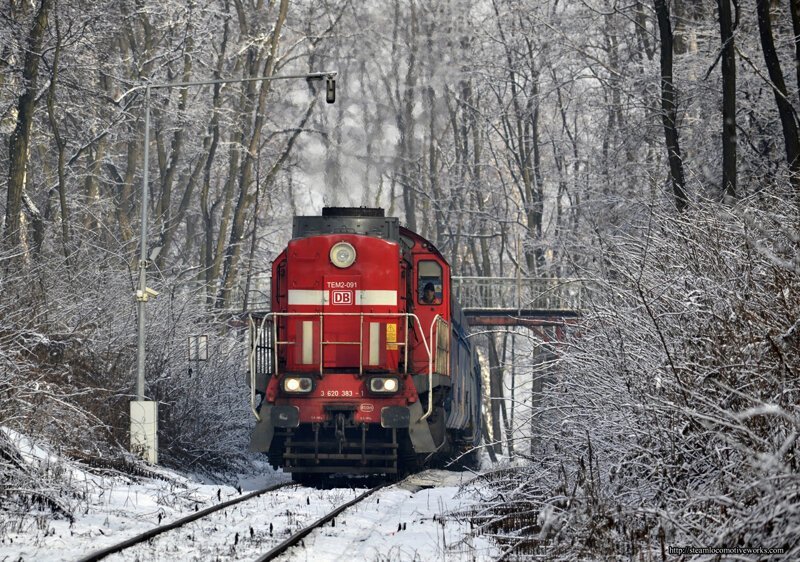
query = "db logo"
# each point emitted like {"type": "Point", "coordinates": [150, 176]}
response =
{"type": "Point", "coordinates": [342, 297]}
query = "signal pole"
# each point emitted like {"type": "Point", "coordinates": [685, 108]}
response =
{"type": "Point", "coordinates": [144, 413]}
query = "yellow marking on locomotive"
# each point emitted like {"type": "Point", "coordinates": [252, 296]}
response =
{"type": "Point", "coordinates": [391, 337]}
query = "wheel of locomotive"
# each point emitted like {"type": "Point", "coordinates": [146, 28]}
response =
{"type": "Point", "coordinates": [408, 462]}
{"type": "Point", "coordinates": [306, 479]}
{"type": "Point", "coordinates": [275, 453]}
{"type": "Point", "coordinates": [437, 422]}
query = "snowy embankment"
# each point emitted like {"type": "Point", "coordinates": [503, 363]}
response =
{"type": "Point", "coordinates": [423, 518]}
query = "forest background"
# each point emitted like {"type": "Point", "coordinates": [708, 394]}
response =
{"type": "Point", "coordinates": [648, 148]}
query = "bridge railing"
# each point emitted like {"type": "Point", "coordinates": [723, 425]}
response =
{"type": "Point", "coordinates": [525, 293]}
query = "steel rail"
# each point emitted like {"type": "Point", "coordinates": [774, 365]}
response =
{"type": "Point", "coordinates": [304, 532]}
{"type": "Point", "coordinates": [147, 535]}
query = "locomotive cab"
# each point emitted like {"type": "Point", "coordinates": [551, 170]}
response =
{"type": "Point", "coordinates": [354, 359]}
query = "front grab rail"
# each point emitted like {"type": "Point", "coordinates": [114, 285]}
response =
{"type": "Point", "coordinates": [437, 321]}
{"type": "Point", "coordinates": [275, 343]}
{"type": "Point", "coordinates": [251, 361]}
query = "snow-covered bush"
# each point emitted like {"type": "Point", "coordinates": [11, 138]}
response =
{"type": "Point", "coordinates": [68, 329]}
{"type": "Point", "coordinates": [672, 419]}
{"type": "Point", "coordinates": [54, 364]}
{"type": "Point", "coordinates": [203, 414]}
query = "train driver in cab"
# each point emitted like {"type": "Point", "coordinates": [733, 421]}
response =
{"type": "Point", "coordinates": [428, 294]}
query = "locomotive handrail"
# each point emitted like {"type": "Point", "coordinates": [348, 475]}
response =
{"type": "Point", "coordinates": [251, 363]}
{"type": "Point", "coordinates": [430, 370]}
{"type": "Point", "coordinates": [437, 321]}
{"type": "Point", "coordinates": [361, 315]}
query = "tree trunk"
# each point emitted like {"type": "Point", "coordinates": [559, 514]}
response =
{"type": "Point", "coordinates": [641, 31]}
{"type": "Point", "coordinates": [207, 253]}
{"type": "Point", "coordinates": [163, 210]}
{"type": "Point", "coordinates": [19, 142]}
{"type": "Point", "coordinates": [794, 9]}
{"type": "Point", "coordinates": [125, 206]}
{"type": "Point", "coordinates": [233, 250]}
{"type": "Point", "coordinates": [401, 94]}
{"type": "Point", "coordinates": [91, 185]}
{"type": "Point", "coordinates": [407, 125]}
{"type": "Point", "coordinates": [521, 137]}
{"type": "Point", "coordinates": [785, 110]}
{"type": "Point", "coordinates": [496, 394]}
{"type": "Point", "coordinates": [669, 107]}
{"type": "Point", "coordinates": [215, 251]}
{"type": "Point", "coordinates": [536, 201]}
{"type": "Point", "coordinates": [60, 144]}
{"type": "Point", "coordinates": [726, 28]}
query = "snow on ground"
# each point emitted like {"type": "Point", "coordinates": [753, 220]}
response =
{"type": "Point", "coordinates": [419, 519]}
{"type": "Point", "coordinates": [403, 522]}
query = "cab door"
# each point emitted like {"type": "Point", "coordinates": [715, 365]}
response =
{"type": "Point", "coordinates": [431, 289]}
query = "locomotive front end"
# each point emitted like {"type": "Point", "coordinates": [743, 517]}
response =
{"type": "Point", "coordinates": [338, 395]}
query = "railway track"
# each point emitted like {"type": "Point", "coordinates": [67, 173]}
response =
{"type": "Point", "coordinates": [273, 553]}
{"type": "Point", "coordinates": [154, 532]}
{"type": "Point", "coordinates": [304, 532]}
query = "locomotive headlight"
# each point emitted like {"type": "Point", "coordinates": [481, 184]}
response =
{"type": "Point", "coordinates": [343, 255]}
{"type": "Point", "coordinates": [297, 384]}
{"type": "Point", "coordinates": [384, 385]}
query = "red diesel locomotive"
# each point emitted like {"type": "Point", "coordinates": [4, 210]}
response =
{"type": "Point", "coordinates": [362, 364]}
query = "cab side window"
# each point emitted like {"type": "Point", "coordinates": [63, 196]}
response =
{"type": "Point", "coordinates": [429, 282]}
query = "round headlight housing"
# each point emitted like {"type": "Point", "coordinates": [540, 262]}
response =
{"type": "Point", "coordinates": [299, 385]}
{"type": "Point", "coordinates": [343, 255]}
{"type": "Point", "coordinates": [384, 385]}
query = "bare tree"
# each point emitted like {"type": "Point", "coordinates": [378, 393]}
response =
{"type": "Point", "coordinates": [785, 111]}
{"type": "Point", "coordinates": [19, 144]}
{"type": "Point", "coordinates": [794, 10]}
{"type": "Point", "coordinates": [245, 173]}
{"type": "Point", "coordinates": [669, 107]}
{"type": "Point", "coordinates": [727, 28]}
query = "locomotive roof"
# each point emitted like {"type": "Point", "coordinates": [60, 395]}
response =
{"type": "Point", "coordinates": [366, 221]}
{"type": "Point", "coordinates": [348, 220]}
